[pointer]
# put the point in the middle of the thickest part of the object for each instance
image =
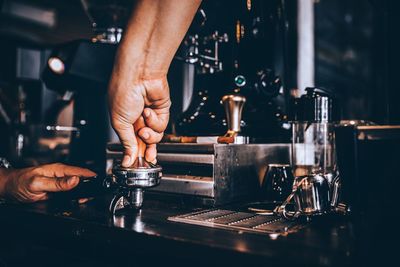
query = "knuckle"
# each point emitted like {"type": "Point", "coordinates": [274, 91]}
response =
{"type": "Point", "coordinates": [59, 184]}
{"type": "Point", "coordinates": [38, 170]}
{"type": "Point", "coordinates": [32, 184]}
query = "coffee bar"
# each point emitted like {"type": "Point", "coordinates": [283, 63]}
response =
{"type": "Point", "coordinates": [281, 148]}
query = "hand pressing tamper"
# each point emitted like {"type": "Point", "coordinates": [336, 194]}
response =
{"type": "Point", "coordinates": [233, 105]}
{"type": "Point", "coordinates": [132, 181]}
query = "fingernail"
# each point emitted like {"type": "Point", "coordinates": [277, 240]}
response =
{"type": "Point", "coordinates": [126, 161]}
{"type": "Point", "coordinates": [146, 135]}
{"type": "Point", "coordinates": [146, 113]}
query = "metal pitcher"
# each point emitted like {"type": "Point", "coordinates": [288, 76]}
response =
{"type": "Point", "coordinates": [311, 194]}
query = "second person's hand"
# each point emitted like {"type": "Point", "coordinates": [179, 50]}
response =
{"type": "Point", "coordinates": [34, 184]}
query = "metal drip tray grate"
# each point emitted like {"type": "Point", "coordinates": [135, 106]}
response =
{"type": "Point", "coordinates": [239, 221]}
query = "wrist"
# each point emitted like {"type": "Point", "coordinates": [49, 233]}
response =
{"type": "Point", "coordinates": [128, 64]}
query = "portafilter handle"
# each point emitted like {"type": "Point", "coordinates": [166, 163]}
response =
{"type": "Point", "coordinates": [233, 105]}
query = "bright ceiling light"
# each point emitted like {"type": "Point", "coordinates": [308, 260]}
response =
{"type": "Point", "coordinates": [56, 65]}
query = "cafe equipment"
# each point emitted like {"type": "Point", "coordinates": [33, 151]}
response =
{"type": "Point", "coordinates": [212, 174]}
{"type": "Point", "coordinates": [240, 53]}
{"type": "Point", "coordinates": [107, 18]}
{"type": "Point", "coordinates": [311, 194]}
{"type": "Point", "coordinates": [313, 156]}
{"type": "Point", "coordinates": [368, 162]}
{"type": "Point", "coordinates": [237, 218]}
{"type": "Point", "coordinates": [233, 105]}
{"type": "Point", "coordinates": [131, 183]}
{"type": "Point", "coordinates": [313, 134]}
{"type": "Point", "coordinates": [277, 183]}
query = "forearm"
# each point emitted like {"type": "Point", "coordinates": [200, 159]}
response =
{"type": "Point", "coordinates": [173, 20]}
{"type": "Point", "coordinates": [154, 32]}
{"type": "Point", "coordinates": [131, 53]}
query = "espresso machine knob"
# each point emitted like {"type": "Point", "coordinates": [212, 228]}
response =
{"type": "Point", "coordinates": [132, 182]}
{"type": "Point", "coordinates": [233, 105]}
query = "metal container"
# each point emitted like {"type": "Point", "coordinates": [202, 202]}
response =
{"type": "Point", "coordinates": [313, 133]}
{"type": "Point", "coordinates": [311, 197]}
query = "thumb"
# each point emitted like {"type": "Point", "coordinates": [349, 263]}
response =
{"type": "Point", "coordinates": [126, 134]}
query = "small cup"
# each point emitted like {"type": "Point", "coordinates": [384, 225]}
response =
{"type": "Point", "coordinates": [311, 195]}
{"type": "Point", "coordinates": [278, 182]}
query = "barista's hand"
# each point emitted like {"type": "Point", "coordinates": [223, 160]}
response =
{"type": "Point", "coordinates": [147, 97]}
{"type": "Point", "coordinates": [34, 184]}
{"type": "Point", "coordinates": [138, 85]}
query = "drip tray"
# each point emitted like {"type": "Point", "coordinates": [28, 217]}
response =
{"type": "Point", "coordinates": [239, 221]}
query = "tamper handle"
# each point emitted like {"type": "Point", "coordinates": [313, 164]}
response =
{"type": "Point", "coordinates": [141, 147]}
{"type": "Point", "coordinates": [141, 144]}
{"type": "Point", "coordinates": [233, 105]}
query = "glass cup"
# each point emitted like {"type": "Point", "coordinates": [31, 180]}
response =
{"type": "Point", "coordinates": [278, 182]}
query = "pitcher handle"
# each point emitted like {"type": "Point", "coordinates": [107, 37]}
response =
{"type": "Point", "coordinates": [290, 215]}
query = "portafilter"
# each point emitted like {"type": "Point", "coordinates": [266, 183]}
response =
{"type": "Point", "coordinates": [132, 181]}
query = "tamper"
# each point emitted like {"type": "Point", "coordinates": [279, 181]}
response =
{"type": "Point", "coordinates": [132, 181]}
{"type": "Point", "coordinates": [233, 105]}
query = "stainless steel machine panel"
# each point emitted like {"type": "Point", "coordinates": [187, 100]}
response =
{"type": "Point", "coordinates": [216, 173]}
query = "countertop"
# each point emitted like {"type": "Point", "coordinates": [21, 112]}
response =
{"type": "Point", "coordinates": [147, 236]}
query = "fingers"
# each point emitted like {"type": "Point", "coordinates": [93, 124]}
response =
{"type": "Point", "coordinates": [151, 153]}
{"type": "Point", "coordinates": [157, 121]}
{"type": "Point", "coordinates": [40, 184]}
{"type": "Point", "coordinates": [126, 134]}
{"type": "Point", "coordinates": [84, 200]}
{"type": "Point", "coordinates": [62, 170]}
{"type": "Point", "coordinates": [149, 136]}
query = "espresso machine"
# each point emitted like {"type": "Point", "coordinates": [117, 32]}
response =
{"type": "Point", "coordinates": [236, 54]}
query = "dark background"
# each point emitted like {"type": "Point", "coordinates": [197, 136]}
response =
{"type": "Point", "coordinates": [356, 50]}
